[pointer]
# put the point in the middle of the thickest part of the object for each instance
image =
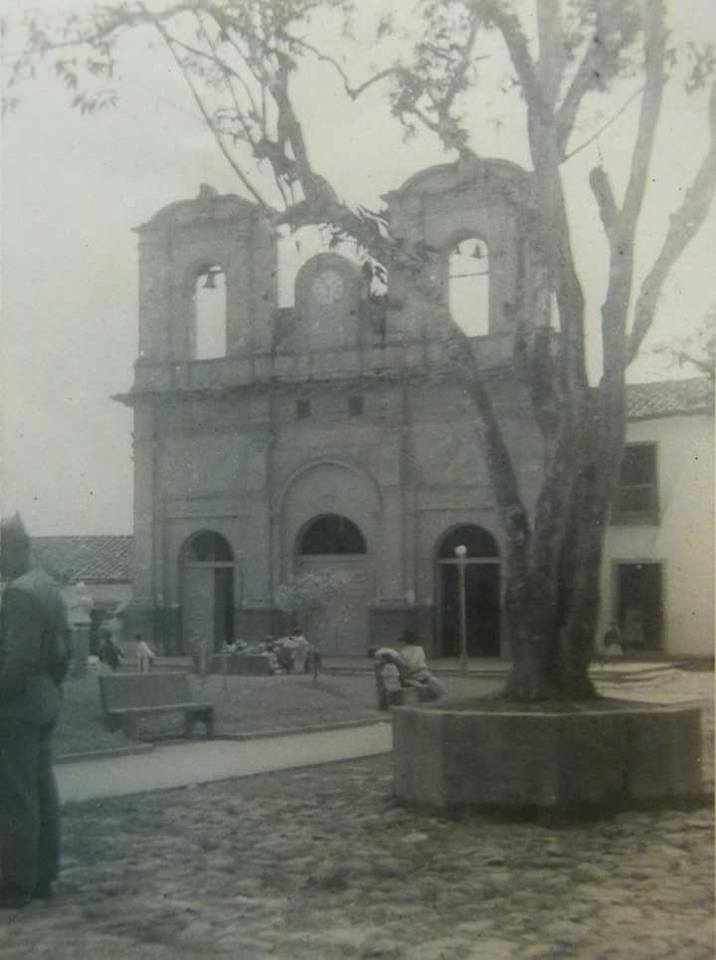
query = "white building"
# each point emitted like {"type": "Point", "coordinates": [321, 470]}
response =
{"type": "Point", "coordinates": [658, 571]}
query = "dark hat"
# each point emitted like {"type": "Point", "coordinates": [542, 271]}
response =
{"type": "Point", "coordinates": [408, 636]}
{"type": "Point", "coordinates": [13, 532]}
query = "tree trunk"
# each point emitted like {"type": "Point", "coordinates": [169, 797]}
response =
{"type": "Point", "coordinates": [553, 606]}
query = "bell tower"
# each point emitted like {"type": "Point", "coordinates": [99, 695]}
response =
{"type": "Point", "coordinates": [207, 300]}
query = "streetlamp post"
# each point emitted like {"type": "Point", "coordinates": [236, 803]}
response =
{"type": "Point", "coordinates": [461, 553]}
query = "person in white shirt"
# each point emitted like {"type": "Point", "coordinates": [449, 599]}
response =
{"type": "Point", "coordinates": [415, 666]}
{"type": "Point", "coordinates": [145, 654]}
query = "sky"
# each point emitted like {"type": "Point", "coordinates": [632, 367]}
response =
{"type": "Point", "coordinates": [74, 187]}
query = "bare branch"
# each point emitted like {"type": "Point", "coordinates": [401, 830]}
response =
{"type": "Point", "coordinates": [353, 92]}
{"type": "Point", "coordinates": [515, 40]}
{"type": "Point", "coordinates": [623, 230]}
{"type": "Point", "coordinates": [582, 83]}
{"type": "Point", "coordinates": [685, 224]}
{"type": "Point", "coordinates": [602, 190]}
{"type": "Point", "coordinates": [117, 19]}
{"type": "Point", "coordinates": [226, 73]}
{"type": "Point", "coordinates": [209, 121]}
{"type": "Point", "coordinates": [655, 50]}
{"type": "Point", "coordinates": [607, 123]}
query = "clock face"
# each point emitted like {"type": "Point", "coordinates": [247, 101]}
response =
{"type": "Point", "coordinates": [328, 287]}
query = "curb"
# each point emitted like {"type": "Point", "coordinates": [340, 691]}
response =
{"type": "Point", "coordinates": [257, 735]}
{"type": "Point", "coordinates": [109, 754]}
{"type": "Point", "coordinates": [297, 731]}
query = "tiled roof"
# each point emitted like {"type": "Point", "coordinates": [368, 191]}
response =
{"type": "Point", "coordinates": [669, 398]}
{"type": "Point", "coordinates": [92, 559]}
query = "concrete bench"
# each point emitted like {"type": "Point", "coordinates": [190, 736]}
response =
{"type": "Point", "coordinates": [128, 697]}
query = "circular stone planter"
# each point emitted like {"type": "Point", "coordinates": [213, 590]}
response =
{"type": "Point", "coordinates": [512, 756]}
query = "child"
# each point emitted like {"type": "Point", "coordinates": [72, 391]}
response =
{"type": "Point", "coordinates": [145, 654]}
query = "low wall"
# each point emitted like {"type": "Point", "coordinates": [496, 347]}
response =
{"type": "Point", "coordinates": [622, 755]}
{"type": "Point", "coordinates": [241, 663]}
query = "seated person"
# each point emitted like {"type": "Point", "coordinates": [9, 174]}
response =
{"type": "Point", "coordinates": [387, 676]}
{"type": "Point", "coordinates": [109, 652]}
{"type": "Point", "coordinates": [613, 644]}
{"type": "Point", "coordinates": [415, 672]}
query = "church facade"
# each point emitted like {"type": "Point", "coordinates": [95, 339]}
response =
{"type": "Point", "coordinates": [329, 436]}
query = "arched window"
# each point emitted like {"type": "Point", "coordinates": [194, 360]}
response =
{"type": "Point", "coordinates": [210, 314]}
{"type": "Point", "coordinates": [207, 547]}
{"type": "Point", "coordinates": [469, 286]}
{"type": "Point", "coordinates": [477, 541]}
{"type": "Point", "coordinates": [332, 534]}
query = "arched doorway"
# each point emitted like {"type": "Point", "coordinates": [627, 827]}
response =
{"type": "Point", "coordinates": [333, 548]}
{"type": "Point", "coordinates": [482, 592]}
{"type": "Point", "coordinates": [207, 590]}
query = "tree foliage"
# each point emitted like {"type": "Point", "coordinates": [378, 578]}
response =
{"type": "Point", "coordinates": [302, 596]}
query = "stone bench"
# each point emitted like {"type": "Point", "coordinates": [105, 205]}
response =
{"type": "Point", "coordinates": [127, 698]}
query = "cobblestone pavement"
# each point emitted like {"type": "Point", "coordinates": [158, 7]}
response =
{"type": "Point", "coordinates": [322, 863]}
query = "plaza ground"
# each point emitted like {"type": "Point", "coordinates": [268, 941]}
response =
{"type": "Point", "coordinates": [322, 862]}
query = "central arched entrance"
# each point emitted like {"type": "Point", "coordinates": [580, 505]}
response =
{"type": "Point", "coordinates": [333, 547]}
{"type": "Point", "coordinates": [207, 590]}
{"type": "Point", "coordinates": [482, 592]}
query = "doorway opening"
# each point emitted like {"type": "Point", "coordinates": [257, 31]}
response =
{"type": "Point", "coordinates": [481, 565]}
{"type": "Point", "coordinates": [207, 591]}
{"type": "Point", "coordinates": [639, 605]}
{"type": "Point", "coordinates": [333, 551]}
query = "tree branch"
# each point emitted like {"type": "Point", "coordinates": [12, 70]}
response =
{"type": "Point", "coordinates": [515, 40]}
{"type": "Point", "coordinates": [444, 105]}
{"type": "Point", "coordinates": [353, 92]}
{"type": "Point", "coordinates": [602, 190]}
{"type": "Point", "coordinates": [582, 83]}
{"type": "Point", "coordinates": [550, 65]}
{"type": "Point", "coordinates": [654, 49]}
{"type": "Point", "coordinates": [685, 224]}
{"type": "Point", "coordinates": [622, 232]}
{"type": "Point", "coordinates": [607, 123]}
{"type": "Point", "coordinates": [210, 123]}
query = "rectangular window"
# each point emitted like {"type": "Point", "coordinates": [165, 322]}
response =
{"type": "Point", "coordinates": [636, 499]}
{"type": "Point", "coordinates": [355, 405]}
{"type": "Point", "coordinates": [303, 409]}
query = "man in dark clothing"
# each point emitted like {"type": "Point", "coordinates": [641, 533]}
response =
{"type": "Point", "coordinates": [34, 656]}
